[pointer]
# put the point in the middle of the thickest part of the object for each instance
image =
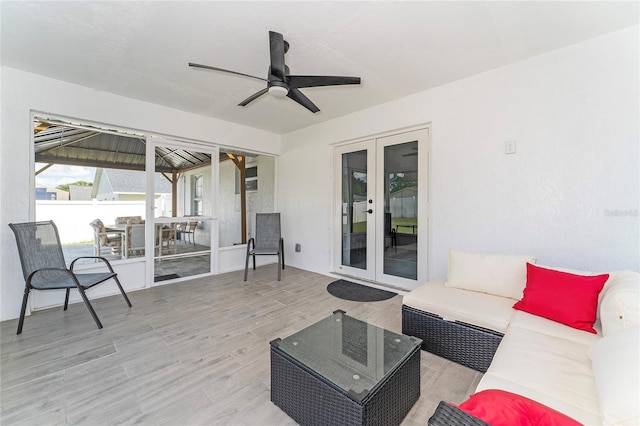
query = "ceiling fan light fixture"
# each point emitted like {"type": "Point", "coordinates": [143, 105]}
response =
{"type": "Point", "coordinates": [278, 91]}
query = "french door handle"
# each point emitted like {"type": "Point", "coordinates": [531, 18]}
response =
{"type": "Point", "coordinates": [369, 211]}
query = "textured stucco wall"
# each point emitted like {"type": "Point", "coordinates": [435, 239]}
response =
{"type": "Point", "coordinates": [569, 196]}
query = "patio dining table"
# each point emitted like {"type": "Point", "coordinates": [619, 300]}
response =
{"type": "Point", "coordinates": [116, 227]}
{"type": "Point", "coordinates": [168, 233]}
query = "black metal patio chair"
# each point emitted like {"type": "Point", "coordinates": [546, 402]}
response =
{"type": "Point", "coordinates": [44, 268]}
{"type": "Point", "coordinates": [267, 242]}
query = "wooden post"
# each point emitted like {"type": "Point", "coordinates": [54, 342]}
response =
{"type": "Point", "coordinates": [240, 162]}
{"type": "Point", "coordinates": [174, 193]}
{"type": "Point", "coordinates": [243, 198]}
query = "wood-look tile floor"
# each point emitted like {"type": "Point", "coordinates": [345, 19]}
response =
{"type": "Point", "coordinates": [191, 353]}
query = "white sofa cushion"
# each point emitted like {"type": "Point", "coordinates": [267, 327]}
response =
{"type": "Point", "coordinates": [497, 274]}
{"type": "Point", "coordinates": [616, 368]}
{"type": "Point", "coordinates": [620, 302]}
{"type": "Point", "coordinates": [483, 310]}
{"type": "Point", "coordinates": [552, 370]}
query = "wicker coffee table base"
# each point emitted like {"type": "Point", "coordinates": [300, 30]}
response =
{"type": "Point", "coordinates": [310, 399]}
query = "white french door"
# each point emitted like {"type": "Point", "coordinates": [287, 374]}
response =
{"type": "Point", "coordinates": [381, 209]}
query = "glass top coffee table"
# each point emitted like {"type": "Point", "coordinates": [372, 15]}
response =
{"type": "Point", "coordinates": [341, 370]}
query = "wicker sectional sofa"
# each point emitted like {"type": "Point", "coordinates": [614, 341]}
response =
{"type": "Point", "coordinates": [469, 318]}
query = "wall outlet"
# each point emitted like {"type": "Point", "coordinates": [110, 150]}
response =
{"type": "Point", "coordinates": [298, 248]}
{"type": "Point", "coordinates": [510, 147]}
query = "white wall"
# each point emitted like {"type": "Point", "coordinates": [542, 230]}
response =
{"type": "Point", "coordinates": [23, 92]}
{"type": "Point", "coordinates": [569, 196]}
{"type": "Point", "coordinates": [230, 228]}
{"type": "Point", "coordinates": [260, 201]}
{"type": "Point", "coordinates": [203, 234]}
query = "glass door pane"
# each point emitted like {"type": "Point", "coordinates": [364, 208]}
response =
{"type": "Point", "coordinates": [354, 209]}
{"type": "Point", "coordinates": [400, 244]}
{"type": "Point", "coordinates": [182, 206]}
{"type": "Point", "coordinates": [354, 238]}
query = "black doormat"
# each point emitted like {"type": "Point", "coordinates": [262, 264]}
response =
{"type": "Point", "coordinates": [165, 277]}
{"type": "Point", "coordinates": [356, 292]}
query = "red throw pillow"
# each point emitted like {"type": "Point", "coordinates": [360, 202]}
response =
{"type": "Point", "coordinates": [501, 408]}
{"type": "Point", "coordinates": [562, 297]}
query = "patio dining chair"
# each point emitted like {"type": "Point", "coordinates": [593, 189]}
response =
{"type": "Point", "coordinates": [389, 232]}
{"type": "Point", "coordinates": [133, 242]}
{"type": "Point", "coordinates": [267, 242]}
{"type": "Point", "coordinates": [187, 231]}
{"type": "Point", "coordinates": [166, 238]}
{"type": "Point", "coordinates": [44, 267]}
{"type": "Point", "coordinates": [103, 238]}
{"type": "Point", "coordinates": [133, 220]}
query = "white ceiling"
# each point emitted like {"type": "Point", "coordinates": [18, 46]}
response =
{"type": "Point", "coordinates": [141, 49]}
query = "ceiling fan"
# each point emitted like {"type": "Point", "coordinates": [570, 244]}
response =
{"type": "Point", "coordinates": [280, 83]}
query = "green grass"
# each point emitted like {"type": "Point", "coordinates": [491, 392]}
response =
{"type": "Point", "coordinates": [403, 221]}
{"type": "Point", "coordinates": [77, 243]}
{"type": "Point", "coordinates": [359, 227]}
{"type": "Point", "coordinates": [362, 226]}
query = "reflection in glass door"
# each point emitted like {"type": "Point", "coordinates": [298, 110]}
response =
{"type": "Point", "coordinates": [356, 211]}
{"type": "Point", "coordinates": [182, 211]}
{"type": "Point", "coordinates": [400, 246]}
{"type": "Point", "coordinates": [354, 202]}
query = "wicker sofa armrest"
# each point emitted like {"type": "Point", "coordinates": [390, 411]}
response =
{"type": "Point", "coordinates": [448, 415]}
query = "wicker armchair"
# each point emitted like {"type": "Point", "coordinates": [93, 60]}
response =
{"type": "Point", "coordinates": [102, 238]}
{"type": "Point", "coordinates": [187, 231]}
{"type": "Point", "coordinates": [133, 240]}
{"type": "Point", "coordinates": [123, 220]}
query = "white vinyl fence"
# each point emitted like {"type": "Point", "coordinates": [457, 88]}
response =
{"type": "Point", "coordinates": [73, 217]}
{"type": "Point", "coordinates": [404, 207]}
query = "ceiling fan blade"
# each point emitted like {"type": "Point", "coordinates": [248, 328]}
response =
{"type": "Point", "coordinates": [320, 80]}
{"type": "Point", "coordinates": [300, 98]}
{"type": "Point", "coordinates": [277, 50]}
{"type": "Point", "coordinates": [253, 97]}
{"type": "Point", "coordinates": [207, 67]}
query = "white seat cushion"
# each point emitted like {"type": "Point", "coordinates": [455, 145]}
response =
{"type": "Point", "coordinates": [483, 310]}
{"type": "Point", "coordinates": [552, 370]}
{"type": "Point", "coordinates": [542, 325]}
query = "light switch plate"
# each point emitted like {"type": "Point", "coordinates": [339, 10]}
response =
{"type": "Point", "coordinates": [510, 147]}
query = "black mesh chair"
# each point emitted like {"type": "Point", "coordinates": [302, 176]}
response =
{"type": "Point", "coordinates": [389, 232]}
{"type": "Point", "coordinates": [267, 242]}
{"type": "Point", "coordinates": [44, 268]}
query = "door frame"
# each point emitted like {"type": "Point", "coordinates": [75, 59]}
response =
{"type": "Point", "coordinates": [152, 142]}
{"type": "Point", "coordinates": [378, 142]}
{"type": "Point", "coordinates": [338, 267]}
{"type": "Point", "coordinates": [422, 136]}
